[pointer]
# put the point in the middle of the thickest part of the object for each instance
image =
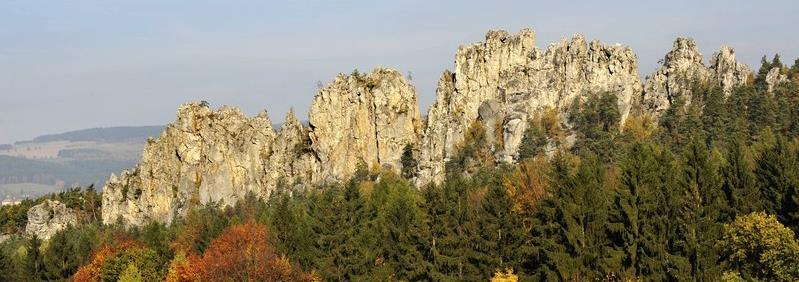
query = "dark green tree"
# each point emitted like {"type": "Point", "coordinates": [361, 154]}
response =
{"type": "Point", "coordinates": [533, 142]}
{"type": "Point", "coordinates": [596, 121]}
{"type": "Point", "coordinates": [765, 67]}
{"type": "Point", "coordinates": [34, 263]}
{"type": "Point", "coordinates": [408, 161]}
{"type": "Point", "coordinates": [61, 259]}
{"type": "Point", "coordinates": [569, 234]}
{"type": "Point", "coordinates": [778, 178]}
{"type": "Point", "coordinates": [402, 228]}
{"type": "Point", "coordinates": [701, 203]}
{"type": "Point", "coordinates": [6, 266]}
{"type": "Point", "coordinates": [501, 230]}
{"type": "Point", "coordinates": [640, 213]}
{"type": "Point", "coordinates": [739, 186]}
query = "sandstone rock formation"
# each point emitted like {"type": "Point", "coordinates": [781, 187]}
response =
{"type": "Point", "coordinates": [49, 217]}
{"type": "Point", "coordinates": [205, 156]}
{"type": "Point", "coordinates": [682, 68]}
{"type": "Point", "coordinates": [220, 156]}
{"type": "Point", "coordinates": [365, 119]}
{"type": "Point", "coordinates": [510, 71]}
{"type": "Point", "coordinates": [774, 77]}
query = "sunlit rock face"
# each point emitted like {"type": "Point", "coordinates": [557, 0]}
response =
{"type": "Point", "coordinates": [682, 69]}
{"type": "Point", "coordinates": [511, 72]}
{"type": "Point", "coordinates": [219, 156]}
{"type": "Point", "coordinates": [367, 119]}
{"type": "Point", "coordinates": [363, 118]}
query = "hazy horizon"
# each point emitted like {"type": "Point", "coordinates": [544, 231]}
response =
{"type": "Point", "coordinates": [82, 64]}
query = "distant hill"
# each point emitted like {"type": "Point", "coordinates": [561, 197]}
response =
{"type": "Point", "coordinates": [82, 157]}
{"type": "Point", "coordinates": [102, 134]}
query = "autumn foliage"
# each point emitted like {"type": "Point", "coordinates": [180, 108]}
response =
{"type": "Point", "coordinates": [94, 269]}
{"type": "Point", "coordinates": [242, 253]}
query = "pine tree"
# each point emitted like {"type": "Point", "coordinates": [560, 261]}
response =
{"type": "Point", "coordinates": [454, 237]}
{"type": "Point", "coordinates": [402, 228]}
{"type": "Point", "coordinates": [596, 122]}
{"type": "Point", "coordinates": [500, 229]}
{"type": "Point", "coordinates": [290, 227]}
{"type": "Point", "coordinates": [533, 141]}
{"type": "Point", "coordinates": [715, 115]}
{"type": "Point", "coordinates": [776, 62]}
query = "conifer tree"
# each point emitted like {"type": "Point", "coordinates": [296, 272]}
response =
{"type": "Point", "coordinates": [765, 67]}
{"type": "Point", "coordinates": [778, 180]}
{"type": "Point", "coordinates": [59, 260]}
{"type": "Point", "coordinates": [569, 236]}
{"type": "Point", "coordinates": [6, 266]}
{"type": "Point", "coordinates": [739, 186]}
{"type": "Point", "coordinates": [701, 201]}
{"type": "Point", "coordinates": [34, 264]}
{"type": "Point", "coordinates": [639, 214]}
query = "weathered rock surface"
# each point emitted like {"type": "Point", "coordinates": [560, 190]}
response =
{"type": "Point", "coordinates": [365, 119]}
{"type": "Point", "coordinates": [49, 217]}
{"type": "Point", "coordinates": [510, 71]}
{"type": "Point", "coordinates": [204, 156]}
{"type": "Point", "coordinates": [682, 68]}
{"type": "Point", "coordinates": [220, 156]}
{"type": "Point", "coordinates": [774, 77]}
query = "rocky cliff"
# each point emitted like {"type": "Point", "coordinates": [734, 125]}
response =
{"type": "Point", "coordinates": [510, 73]}
{"type": "Point", "coordinates": [367, 119]}
{"type": "Point", "coordinates": [220, 156]}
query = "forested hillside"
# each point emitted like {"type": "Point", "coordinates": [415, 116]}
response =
{"type": "Point", "coordinates": [708, 192]}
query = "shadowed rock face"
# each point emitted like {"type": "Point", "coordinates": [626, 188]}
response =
{"type": "Point", "coordinates": [49, 217]}
{"type": "Point", "coordinates": [220, 156]}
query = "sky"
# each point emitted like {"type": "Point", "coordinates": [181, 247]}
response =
{"type": "Point", "coordinates": [68, 65]}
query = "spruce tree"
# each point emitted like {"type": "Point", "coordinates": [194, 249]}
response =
{"type": "Point", "coordinates": [402, 228]}
{"type": "Point", "coordinates": [739, 186]}
{"type": "Point", "coordinates": [639, 214]}
{"type": "Point", "coordinates": [569, 236]}
{"type": "Point", "coordinates": [778, 180]}
{"type": "Point", "coordinates": [765, 67]}
{"type": "Point", "coordinates": [702, 202]}
{"type": "Point", "coordinates": [408, 162]}
{"type": "Point", "coordinates": [59, 260]}
{"type": "Point", "coordinates": [34, 264]}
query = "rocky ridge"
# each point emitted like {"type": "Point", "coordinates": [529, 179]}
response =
{"type": "Point", "coordinates": [220, 156]}
{"type": "Point", "coordinates": [367, 119]}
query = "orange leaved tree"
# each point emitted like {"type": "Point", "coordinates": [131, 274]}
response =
{"type": "Point", "coordinates": [242, 253]}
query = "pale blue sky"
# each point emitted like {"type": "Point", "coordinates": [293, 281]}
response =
{"type": "Point", "coordinates": [67, 65]}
